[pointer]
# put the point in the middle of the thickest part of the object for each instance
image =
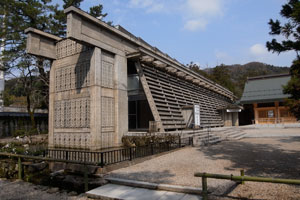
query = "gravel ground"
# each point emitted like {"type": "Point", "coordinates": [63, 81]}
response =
{"type": "Point", "coordinates": [253, 132]}
{"type": "Point", "coordinates": [269, 157]}
{"type": "Point", "coordinates": [20, 190]}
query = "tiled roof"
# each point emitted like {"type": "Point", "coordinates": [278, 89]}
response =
{"type": "Point", "coordinates": [265, 89]}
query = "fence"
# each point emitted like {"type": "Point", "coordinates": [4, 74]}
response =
{"type": "Point", "coordinates": [240, 179]}
{"type": "Point", "coordinates": [26, 157]}
{"type": "Point", "coordinates": [119, 155]}
{"type": "Point", "coordinates": [99, 158]}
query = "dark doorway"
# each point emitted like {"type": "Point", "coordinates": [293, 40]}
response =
{"type": "Point", "coordinates": [246, 117]}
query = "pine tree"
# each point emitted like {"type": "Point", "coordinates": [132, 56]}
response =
{"type": "Point", "coordinates": [15, 17]}
{"type": "Point", "coordinates": [291, 31]}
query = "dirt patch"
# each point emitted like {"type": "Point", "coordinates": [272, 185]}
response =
{"type": "Point", "coordinates": [19, 190]}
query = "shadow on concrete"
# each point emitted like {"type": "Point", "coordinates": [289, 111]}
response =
{"type": "Point", "coordinates": [147, 176]}
{"type": "Point", "coordinates": [257, 159]}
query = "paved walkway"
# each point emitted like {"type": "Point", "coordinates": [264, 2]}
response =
{"type": "Point", "coordinates": [114, 191]}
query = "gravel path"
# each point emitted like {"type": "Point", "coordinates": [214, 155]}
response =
{"type": "Point", "coordinates": [20, 190]}
{"type": "Point", "coordinates": [270, 157]}
{"type": "Point", "coordinates": [253, 132]}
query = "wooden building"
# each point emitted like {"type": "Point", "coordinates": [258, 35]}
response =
{"type": "Point", "coordinates": [263, 97]}
{"type": "Point", "coordinates": [104, 82]}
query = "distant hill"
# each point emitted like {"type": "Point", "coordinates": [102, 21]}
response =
{"type": "Point", "coordinates": [234, 76]}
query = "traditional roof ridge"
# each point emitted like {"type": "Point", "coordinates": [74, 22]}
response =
{"type": "Point", "coordinates": [265, 89]}
{"type": "Point", "coordinates": [267, 76]}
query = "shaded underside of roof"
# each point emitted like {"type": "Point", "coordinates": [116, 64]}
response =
{"type": "Point", "coordinates": [265, 90]}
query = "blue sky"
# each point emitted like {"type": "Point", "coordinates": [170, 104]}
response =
{"type": "Point", "coordinates": [207, 32]}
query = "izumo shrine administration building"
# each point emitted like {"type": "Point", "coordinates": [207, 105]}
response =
{"type": "Point", "coordinates": [106, 82]}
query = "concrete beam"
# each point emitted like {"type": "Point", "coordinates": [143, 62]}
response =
{"type": "Point", "coordinates": [159, 64]}
{"type": "Point", "coordinates": [41, 44]}
{"type": "Point", "coordinates": [197, 81]}
{"type": "Point", "coordinates": [171, 69]}
{"type": "Point", "coordinates": [134, 55]}
{"type": "Point", "coordinates": [188, 77]}
{"type": "Point", "coordinates": [181, 74]}
{"type": "Point", "coordinates": [147, 59]}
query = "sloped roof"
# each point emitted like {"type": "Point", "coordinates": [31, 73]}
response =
{"type": "Point", "coordinates": [265, 89]}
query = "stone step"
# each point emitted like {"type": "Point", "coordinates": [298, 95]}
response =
{"type": "Point", "coordinates": [204, 139]}
{"type": "Point", "coordinates": [154, 186]}
{"type": "Point", "coordinates": [115, 191]}
{"type": "Point", "coordinates": [216, 135]}
{"type": "Point", "coordinates": [236, 134]}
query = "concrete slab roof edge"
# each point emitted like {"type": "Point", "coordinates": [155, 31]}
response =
{"type": "Point", "coordinates": [39, 32]}
{"type": "Point", "coordinates": [143, 46]}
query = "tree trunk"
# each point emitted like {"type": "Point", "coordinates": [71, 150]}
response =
{"type": "Point", "coordinates": [30, 112]}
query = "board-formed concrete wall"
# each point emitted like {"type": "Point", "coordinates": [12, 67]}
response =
{"type": "Point", "coordinates": [86, 97]}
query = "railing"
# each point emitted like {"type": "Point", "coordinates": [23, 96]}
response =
{"type": "Point", "coordinates": [98, 158]}
{"type": "Point", "coordinates": [119, 155]}
{"type": "Point", "coordinates": [241, 179]}
{"type": "Point", "coordinates": [20, 166]}
{"type": "Point", "coordinates": [276, 120]}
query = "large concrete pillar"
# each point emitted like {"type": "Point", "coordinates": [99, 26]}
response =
{"type": "Point", "coordinates": [95, 109]}
{"type": "Point", "coordinates": [121, 97]}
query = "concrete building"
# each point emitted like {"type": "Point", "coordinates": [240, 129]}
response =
{"type": "Point", "coordinates": [263, 100]}
{"type": "Point", "coordinates": [104, 82]}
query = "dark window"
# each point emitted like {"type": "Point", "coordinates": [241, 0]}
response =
{"type": "Point", "coordinates": [261, 105]}
{"type": "Point", "coordinates": [132, 107]}
{"type": "Point", "coordinates": [131, 67]}
{"type": "Point", "coordinates": [139, 114]}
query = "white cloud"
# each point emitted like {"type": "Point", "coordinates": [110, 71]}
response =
{"type": "Point", "coordinates": [258, 50]}
{"type": "Point", "coordinates": [193, 25]}
{"type": "Point", "coordinates": [198, 13]}
{"type": "Point", "coordinates": [149, 5]}
{"type": "Point", "coordinates": [204, 7]}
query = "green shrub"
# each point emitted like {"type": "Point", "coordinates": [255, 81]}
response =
{"type": "Point", "coordinates": [20, 132]}
{"type": "Point", "coordinates": [131, 141]}
{"type": "Point", "coordinates": [32, 132]}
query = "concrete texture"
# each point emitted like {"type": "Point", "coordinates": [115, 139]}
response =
{"type": "Point", "coordinates": [146, 185]}
{"type": "Point", "coordinates": [113, 191]}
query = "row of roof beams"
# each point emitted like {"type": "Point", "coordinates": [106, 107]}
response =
{"type": "Point", "coordinates": [189, 77]}
{"type": "Point", "coordinates": [154, 60]}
